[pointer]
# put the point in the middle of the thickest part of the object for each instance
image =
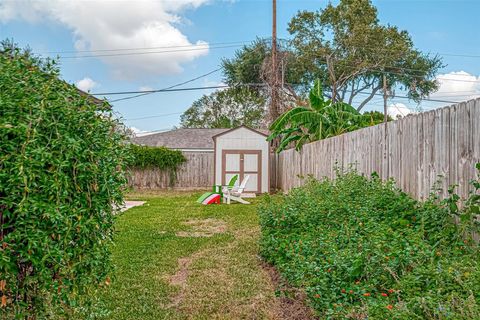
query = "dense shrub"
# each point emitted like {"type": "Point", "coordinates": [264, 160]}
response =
{"type": "Point", "coordinates": [156, 157]}
{"type": "Point", "coordinates": [61, 175]}
{"type": "Point", "coordinates": [144, 157]}
{"type": "Point", "coordinates": [361, 248]}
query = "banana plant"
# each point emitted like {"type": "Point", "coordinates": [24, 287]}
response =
{"type": "Point", "coordinates": [320, 119]}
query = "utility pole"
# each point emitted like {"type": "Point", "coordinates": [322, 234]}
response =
{"type": "Point", "coordinates": [274, 84]}
{"type": "Point", "coordinates": [386, 157]}
{"type": "Point", "coordinates": [274, 87]}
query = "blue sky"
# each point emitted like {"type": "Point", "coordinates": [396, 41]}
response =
{"type": "Point", "coordinates": [448, 28]}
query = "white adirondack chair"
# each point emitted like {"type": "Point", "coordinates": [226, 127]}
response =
{"type": "Point", "coordinates": [235, 193]}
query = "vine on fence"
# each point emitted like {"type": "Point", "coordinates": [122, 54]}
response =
{"type": "Point", "coordinates": [145, 157]}
{"type": "Point", "coordinates": [466, 211]}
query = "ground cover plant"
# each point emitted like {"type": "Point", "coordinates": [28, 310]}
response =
{"type": "Point", "coordinates": [61, 177]}
{"type": "Point", "coordinates": [360, 248]}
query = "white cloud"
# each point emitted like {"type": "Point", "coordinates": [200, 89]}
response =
{"type": "Point", "coordinates": [145, 88]}
{"type": "Point", "coordinates": [105, 24]}
{"type": "Point", "coordinates": [214, 83]}
{"type": "Point", "coordinates": [398, 110]}
{"type": "Point", "coordinates": [138, 132]}
{"type": "Point", "coordinates": [86, 84]}
{"type": "Point", "coordinates": [457, 86]}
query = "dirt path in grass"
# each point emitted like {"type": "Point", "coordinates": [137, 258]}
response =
{"type": "Point", "coordinates": [176, 259]}
{"type": "Point", "coordinates": [211, 281]}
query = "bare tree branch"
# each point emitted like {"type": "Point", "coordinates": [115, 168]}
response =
{"type": "Point", "coordinates": [372, 94]}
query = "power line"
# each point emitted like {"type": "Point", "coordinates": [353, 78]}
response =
{"type": "Point", "coordinates": [154, 131]}
{"type": "Point", "coordinates": [418, 50]}
{"type": "Point", "coordinates": [405, 74]}
{"type": "Point", "coordinates": [228, 46]}
{"type": "Point", "coordinates": [398, 68]}
{"type": "Point", "coordinates": [234, 42]}
{"type": "Point", "coordinates": [469, 91]}
{"type": "Point", "coordinates": [372, 103]}
{"type": "Point", "coordinates": [460, 55]}
{"type": "Point", "coordinates": [160, 90]}
{"type": "Point", "coordinates": [411, 75]}
{"type": "Point", "coordinates": [170, 87]}
{"type": "Point", "coordinates": [205, 46]}
{"type": "Point", "coordinates": [144, 53]}
{"type": "Point", "coordinates": [147, 48]}
{"type": "Point", "coordinates": [458, 95]}
{"type": "Point", "coordinates": [248, 84]}
{"type": "Point", "coordinates": [225, 86]}
{"type": "Point", "coordinates": [180, 89]}
{"type": "Point", "coordinates": [401, 97]}
{"type": "Point", "coordinates": [405, 97]}
{"type": "Point", "coordinates": [154, 116]}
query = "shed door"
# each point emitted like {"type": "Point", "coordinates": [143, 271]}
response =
{"type": "Point", "coordinates": [243, 162]}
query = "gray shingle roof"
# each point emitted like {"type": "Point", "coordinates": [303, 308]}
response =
{"type": "Point", "coordinates": [181, 139]}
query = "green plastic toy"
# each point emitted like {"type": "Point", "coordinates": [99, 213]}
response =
{"type": "Point", "coordinates": [217, 189]}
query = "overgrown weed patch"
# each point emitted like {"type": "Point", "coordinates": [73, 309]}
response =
{"type": "Point", "coordinates": [362, 248]}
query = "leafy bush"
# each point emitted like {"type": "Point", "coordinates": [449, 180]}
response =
{"type": "Point", "coordinates": [61, 175]}
{"type": "Point", "coordinates": [361, 248]}
{"type": "Point", "coordinates": [318, 119]}
{"type": "Point", "coordinates": [157, 157]}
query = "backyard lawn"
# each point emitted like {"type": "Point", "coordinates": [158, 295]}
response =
{"type": "Point", "coordinates": [177, 259]}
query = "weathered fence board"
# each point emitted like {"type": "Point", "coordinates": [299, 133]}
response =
{"type": "Point", "coordinates": [436, 147]}
{"type": "Point", "coordinates": [196, 173]}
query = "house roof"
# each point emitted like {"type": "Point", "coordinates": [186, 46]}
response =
{"type": "Point", "coordinates": [181, 138]}
{"type": "Point", "coordinates": [93, 99]}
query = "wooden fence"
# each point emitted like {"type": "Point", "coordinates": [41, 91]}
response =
{"type": "Point", "coordinates": [441, 146]}
{"type": "Point", "coordinates": [196, 173]}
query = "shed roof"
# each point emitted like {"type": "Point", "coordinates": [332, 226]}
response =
{"type": "Point", "coordinates": [259, 131]}
{"type": "Point", "coordinates": [190, 138]}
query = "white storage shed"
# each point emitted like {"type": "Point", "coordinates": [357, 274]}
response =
{"type": "Point", "coordinates": [243, 151]}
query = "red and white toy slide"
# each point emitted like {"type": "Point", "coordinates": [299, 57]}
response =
{"type": "Point", "coordinates": [213, 198]}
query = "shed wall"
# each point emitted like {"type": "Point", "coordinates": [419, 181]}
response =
{"type": "Point", "coordinates": [242, 139]}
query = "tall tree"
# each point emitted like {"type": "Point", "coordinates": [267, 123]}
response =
{"type": "Point", "coordinates": [248, 73]}
{"type": "Point", "coordinates": [226, 109]}
{"type": "Point", "coordinates": [349, 50]}
{"type": "Point", "coordinates": [252, 65]}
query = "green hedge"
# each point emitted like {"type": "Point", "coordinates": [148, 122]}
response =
{"type": "Point", "coordinates": [61, 176]}
{"type": "Point", "coordinates": [362, 249]}
{"type": "Point", "coordinates": [144, 157]}
{"type": "Point", "coordinates": [156, 157]}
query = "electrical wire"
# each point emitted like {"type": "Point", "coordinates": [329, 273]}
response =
{"type": "Point", "coordinates": [147, 48]}
{"type": "Point", "coordinates": [154, 131]}
{"type": "Point", "coordinates": [144, 53]}
{"type": "Point", "coordinates": [405, 97]}
{"type": "Point", "coordinates": [179, 89]}
{"type": "Point", "coordinates": [170, 87]}
{"type": "Point", "coordinates": [154, 116]}
{"type": "Point", "coordinates": [235, 42]}
{"type": "Point", "coordinates": [389, 50]}
{"type": "Point", "coordinates": [399, 73]}
{"type": "Point", "coordinates": [248, 84]}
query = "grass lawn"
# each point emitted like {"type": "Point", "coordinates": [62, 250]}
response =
{"type": "Point", "coordinates": [177, 259]}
